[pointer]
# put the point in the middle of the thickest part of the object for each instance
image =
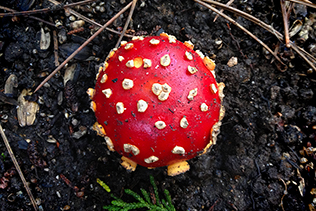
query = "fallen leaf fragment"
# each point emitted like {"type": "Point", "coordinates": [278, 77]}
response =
{"type": "Point", "coordinates": [26, 110]}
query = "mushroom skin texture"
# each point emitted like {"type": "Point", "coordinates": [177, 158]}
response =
{"type": "Point", "coordinates": [157, 103]}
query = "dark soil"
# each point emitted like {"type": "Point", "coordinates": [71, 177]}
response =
{"type": "Point", "coordinates": [269, 114]}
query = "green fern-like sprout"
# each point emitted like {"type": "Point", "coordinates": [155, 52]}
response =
{"type": "Point", "coordinates": [142, 201]}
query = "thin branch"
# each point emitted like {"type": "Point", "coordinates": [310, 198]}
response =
{"type": "Point", "coordinates": [249, 17]}
{"type": "Point", "coordinates": [308, 55]}
{"type": "Point", "coordinates": [32, 17]}
{"type": "Point", "coordinates": [45, 9]}
{"type": "Point", "coordinates": [83, 45]}
{"type": "Point", "coordinates": [241, 27]}
{"type": "Point", "coordinates": [297, 50]}
{"type": "Point", "coordinates": [78, 15]}
{"type": "Point", "coordinates": [127, 23]}
{"type": "Point", "coordinates": [222, 10]}
{"type": "Point", "coordinates": [285, 23]}
{"type": "Point", "coordinates": [306, 3]}
{"type": "Point", "coordinates": [79, 3]}
{"type": "Point", "coordinates": [25, 12]}
{"type": "Point", "coordinates": [43, 21]}
{"type": "Point", "coordinates": [305, 55]}
{"type": "Point", "coordinates": [6, 8]}
{"type": "Point", "coordinates": [8, 100]}
{"type": "Point", "coordinates": [82, 17]}
{"type": "Point", "coordinates": [17, 167]}
{"type": "Point", "coordinates": [55, 48]}
{"type": "Point", "coordinates": [284, 193]}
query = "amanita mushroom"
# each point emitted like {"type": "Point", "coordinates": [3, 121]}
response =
{"type": "Point", "coordinates": [157, 103]}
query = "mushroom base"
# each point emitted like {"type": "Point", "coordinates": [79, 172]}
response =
{"type": "Point", "coordinates": [128, 164]}
{"type": "Point", "coordinates": [178, 168]}
{"type": "Point", "coordinates": [173, 169]}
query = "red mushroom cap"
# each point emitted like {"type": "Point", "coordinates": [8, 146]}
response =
{"type": "Point", "coordinates": [157, 101]}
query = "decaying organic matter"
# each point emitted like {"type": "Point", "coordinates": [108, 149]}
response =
{"type": "Point", "coordinates": [26, 111]}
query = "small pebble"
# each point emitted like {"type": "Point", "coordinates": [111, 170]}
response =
{"type": "Point", "coordinates": [102, 9]}
{"type": "Point", "coordinates": [72, 18]}
{"type": "Point", "coordinates": [232, 62]}
{"type": "Point", "coordinates": [66, 207]}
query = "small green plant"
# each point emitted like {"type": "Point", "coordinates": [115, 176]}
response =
{"type": "Point", "coordinates": [143, 202]}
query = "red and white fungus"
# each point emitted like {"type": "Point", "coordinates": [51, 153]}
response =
{"type": "Point", "coordinates": [157, 103]}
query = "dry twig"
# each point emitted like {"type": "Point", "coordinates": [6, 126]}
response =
{"type": "Point", "coordinates": [83, 45]}
{"type": "Point", "coordinates": [248, 17]}
{"type": "Point", "coordinates": [241, 27]}
{"type": "Point", "coordinates": [306, 3]}
{"type": "Point", "coordinates": [285, 192]}
{"type": "Point", "coordinates": [32, 17]}
{"type": "Point", "coordinates": [285, 23]}
{"type": "Point", "coordinates": [228, 3]}
{"type": "Point", "coordinates": [71, 11]}
{"type": "Point", "coordinates": [127, 23]}
{"type": "Point", "coordinates": [213, 206]}
{"type": "Point", "coordinates": [305, 55]}
{"type": "Point", "coordinates": [17, 167]}
{"type": "Point", "coordinates": [8, 100]}
{"type": "Point", "coordinates": [45, 9]}
{"type": "Point", "coordinates": [55, 48]}
{"type": "Point", "coordinates": [82, 17]}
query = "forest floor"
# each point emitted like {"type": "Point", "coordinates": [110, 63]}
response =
{"type": "Point", "coordinates": [263, 159]}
